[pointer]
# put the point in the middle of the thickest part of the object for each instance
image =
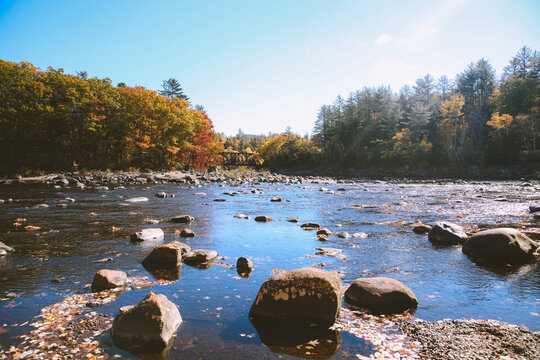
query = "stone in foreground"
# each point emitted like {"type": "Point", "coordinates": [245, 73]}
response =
{"type": "Point", "coordinates": [166, 256]}
{"type": "Point", "coordinates": [380, 295]}
{"type": "Point", "coordinates": [108, 279]}
{"type": "Point", "coordinates": [501, 246]}
{"type": "Point", "coordinates": [200, 257]}
{"type": "Point", "coordinates": [448, 233]}
{"type": "Point", "coordinates": [183, 219]}
{"type": "Point", "coordinates": [147, 235]}
{"type": "Point", "coordinates": [148, 326]}
{"type": "Point", "coordinates": [311, 296]}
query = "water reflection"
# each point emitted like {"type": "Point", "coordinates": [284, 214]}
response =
{"type": "Point", "coordinates": [299, 340]}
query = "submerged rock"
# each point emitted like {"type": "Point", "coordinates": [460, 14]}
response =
{"type": "Point", "coordinates": [200, 257]}
{"type": "Point", "coordinates": [147, 235]}
{"type": "Point", "coordinates": [344, 235]}
{"type": "Point", "coordinates": [421, 229]}
{"type": "Point", "coordinates": [380, 295]}
{"type": "Point", "coordinates": [501, 246]}
{"type": "Point", "coordinates": [299, 296]}
{"type": "Point", "coordinates": [108, 279]}
{"type": "Point", "coordinates": [244, 266]}
{"type": "Point", "coordinates": [146, 327]}
{"type": "Point", "coordinates": [166, 256]}
{"type": "Point", "coordinates": [292, 219]}
{"type": "Point", "coordinates": [183, 219]}
{"type": "Point", "coordinates": [447, 233]}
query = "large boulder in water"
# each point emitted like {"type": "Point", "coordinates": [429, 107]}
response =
{"type": "Point", "coordinates": [108, 279]}
{"type": "Point", "coordinates": [166, 256]}
{"type": "Point", "coordinates": [380, 295]}
{"type": "Point", "coordinates": [148, 326]}
{"type": "Point", "coordinates": [501, 246]}
{"type": "Point", "coordinates": [448, 233]}
{"type": "Point", "coordinates": [299, 296]}
{"type": "Point", "coordinates": [147, 235]}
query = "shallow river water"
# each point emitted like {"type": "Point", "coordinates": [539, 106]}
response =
{"type": "Point", "coordinates": [60, 258]}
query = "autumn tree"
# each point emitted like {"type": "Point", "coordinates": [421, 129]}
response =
{"type": "Point", "coordinates": [453, 128]}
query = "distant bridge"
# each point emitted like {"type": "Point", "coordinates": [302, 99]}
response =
{"type": "Point", "coordinates": [241, 159]}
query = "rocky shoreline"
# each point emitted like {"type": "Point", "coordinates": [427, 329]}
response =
{"type": "Point", "coordinates": [472, 339]}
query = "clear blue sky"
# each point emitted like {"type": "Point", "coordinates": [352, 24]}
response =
{"type": "Point", "coordinates": [263, 65]}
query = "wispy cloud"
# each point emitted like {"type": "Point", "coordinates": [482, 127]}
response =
{"type": "Point", "coordinates": [383, 39]}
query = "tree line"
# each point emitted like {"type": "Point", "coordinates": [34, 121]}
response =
{"type": "Point", "coordinates": [474, 119]}
{"type": "Point", "coordinates": [50, 120]}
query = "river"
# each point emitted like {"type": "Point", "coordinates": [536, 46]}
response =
{"type": "Point", "coordinates": [74, 242]}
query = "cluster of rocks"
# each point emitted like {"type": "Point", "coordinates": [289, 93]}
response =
{"type": "Point", "coordinates": [103, 180]}
{"type": "Point", "coordinates": [494, 247]}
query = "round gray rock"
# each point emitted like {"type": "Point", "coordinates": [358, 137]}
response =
{"type": "Point", "coordinates": [501, 246]}
{"type": "Point", "coordinates": [421, 229]}
{"type": "Point", "coordinates": [187, 233]}
{"type": "Point", "coordinates": [146, 327]}
{"type": "Point", "coordinates": [183, 219]}
{"type": "Point", "coordinates": [244, 266]}
{"type": "Point", "coordinates": [445, 232]}
{"type": "Point", "coordinates": [380, 295]}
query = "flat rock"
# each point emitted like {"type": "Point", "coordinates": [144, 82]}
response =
{"type": "Point", "coordinates": [263, 218]}
{"type": "Point", "coordinates": [303, 295]}
{"type": "Point", "coordinates": [149, 234]}
{"type": "Point", "coordinates": [292, 219]}
{"type": "Point", "coordinates": [166, 256]}
{"type": "Point", "coordinates": [501, 246]}
{"type": "Point", "coordinates": [448, 233]}
{"type": "Point", "coordinates": [183, 219]}
{"type": "Point", "coordinates": [326, 251]}
{"type": "Point", "coordinates": [361, 235]}
{"type": "Point", "coordinates": [421, 229]}
{"type": "Point", "coordinates": [108, 279]}
{"type": "Point", "coordinates": [276, 199]}
{"type": "Point", "coordinates": [200, 257]}
{"type": "Point", "coordinates": [137, 199]}
{"type": "Point", "coordinates": [241, 216]}
{"type": "Point", "coordinates": [344, 235]}
{"type": "Point", "coordinates": [310, 226]}
{"type": "Point", "coordinates": [146, 327]}
{"type": "Point", "coordinates": [380, 295]}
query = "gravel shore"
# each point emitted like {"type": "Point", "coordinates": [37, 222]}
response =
{"type": "Point", "coordinates": [472, 339]}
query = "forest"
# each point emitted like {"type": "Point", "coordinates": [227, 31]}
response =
{"type": "Point", "coordinates": [50, 120]}
{"type": "Point", "coordinates": [472, 120]}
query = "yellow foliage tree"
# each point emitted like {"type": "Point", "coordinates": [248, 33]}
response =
{"type": "Point", "coordinates": [452, 129]}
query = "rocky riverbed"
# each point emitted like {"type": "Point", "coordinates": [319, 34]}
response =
{"type": "Point", "coordinates": [59, 230]}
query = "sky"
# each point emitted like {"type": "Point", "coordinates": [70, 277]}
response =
{"type": "Point", "coordinates": [264, 65]}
